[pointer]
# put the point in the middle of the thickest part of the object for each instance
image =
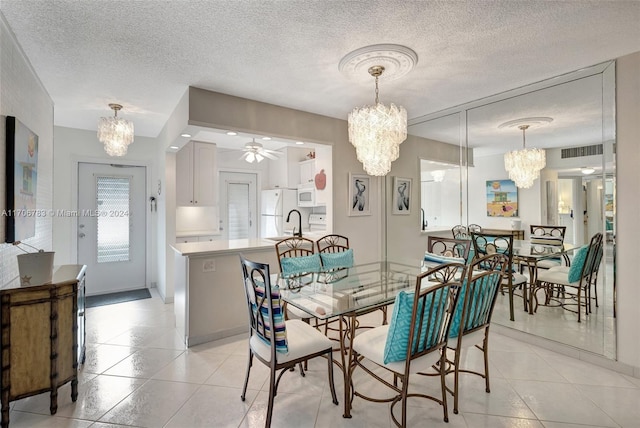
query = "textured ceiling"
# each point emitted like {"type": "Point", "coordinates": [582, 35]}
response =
{"type": "Point", "coordinates": [144, 54]}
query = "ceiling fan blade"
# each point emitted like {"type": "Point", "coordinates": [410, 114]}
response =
{"type": "Point", "coordinates": [268, 155]}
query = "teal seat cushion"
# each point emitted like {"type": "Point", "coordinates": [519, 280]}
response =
{"type": "Point", "coordinates": [297, 265]}
{"type": "Point", "coordinates": [343, 259]}
{"type": "Point", "coordinates": [577, 264]}
{"type": "Point", "coordinates": [395, 348]}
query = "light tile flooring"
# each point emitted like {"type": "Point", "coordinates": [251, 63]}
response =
{"type": "Point", "coordinates": [138, 374]}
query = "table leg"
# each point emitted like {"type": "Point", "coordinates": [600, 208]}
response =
{"type": "Point", "coordinates": [345, 355]}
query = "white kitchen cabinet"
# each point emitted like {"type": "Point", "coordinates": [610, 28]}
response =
{"type": "Point", "coordinates": [196, 174]}
{"type": "Point", "coordinates": [186, 239]}
{"type": "Point", "coordinates": [307, 171]}
{"type": "Point", "coordinates": [208, 238]}
{"type": "Point", "coordinates": [284, 172]}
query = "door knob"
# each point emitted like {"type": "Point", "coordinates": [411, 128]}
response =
{"type": "Point", "coordinates": [81, 235]}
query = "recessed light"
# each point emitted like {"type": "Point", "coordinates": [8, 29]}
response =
{"type": "Point", "coordinates": [299, 142]}
{"type": "Point", "coordinates": [174, 147]}
{"type": "Point", "coordinates": [232, 133]}
{"type": "Point", "coordinates": [266, 138]}
{"type": "Point", "coordinates": [185, 135]}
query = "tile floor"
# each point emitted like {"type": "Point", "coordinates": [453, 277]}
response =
{"type": "Point", "coordinates": [138, 374]}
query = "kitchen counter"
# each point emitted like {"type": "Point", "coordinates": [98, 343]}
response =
{"type": "Point", "coordinates": [222, 247]}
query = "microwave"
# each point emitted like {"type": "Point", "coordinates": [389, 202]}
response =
{"type": "Point", "coordinates": [307, 195]}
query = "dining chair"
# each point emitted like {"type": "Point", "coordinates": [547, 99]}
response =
{"type": "Point", "coordinates": [449, 247]}
{"type": "Point", "coordinates": [548, 235]}
{"type": "Point", "coordinates": [581, 276]}
{"type": "Point", "coordinates": [459, 231]}
{"type": "Point", "coordinates": [414, 341]}
{"type": "Point", "coordinates": [277, 343]}
{"type": "Point", "coordinates": [472, 316]}
{"type": "Point", "coordinates": [474, 228]}
{"type": "Point", "coordinates": [502, 243]}
{"type": "Point", "coordinates": [297, 257]}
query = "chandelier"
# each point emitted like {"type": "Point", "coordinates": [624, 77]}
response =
{"type": "Point", "coordinates": [377, 131]}
{"type": "Point", "coordinates": [115, 133]}
{"type": "Point", "coordinates": [524, 165]}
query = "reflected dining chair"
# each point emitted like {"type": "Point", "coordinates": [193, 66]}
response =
{"type": "Point", "coordinates": [472, 316]}
{"type": "Point", "coordinates": [459, 231]}
{"type": "Point", "coordinates": [277, 343]}
{"type": "Point", "coordinates": [580, 276]}
{"type": "Point", "coordinates": [449, 247]}
{"type": "Point", "coordinates": [415, 340]}
{"type": "Point", "coordinates": [548, 235]}
{"type": "Point", "coordinates": [502, 243]}
{"type": "Point", "coordinates": [474, 228]}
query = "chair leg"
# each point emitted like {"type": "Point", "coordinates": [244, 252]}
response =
{"type": "Point", "coordinates": [246, 379]}
{"type": "Point", "coordinates": [405, 391]}
{"type": "Point", "coordinates": [272, 393]}
{"type": "Point", "coordinates": [579, 295]}
{"type": "Point", "coordinates": [511, 314]}
{"type": "Point", "coordinates": [485, 351]}
{"type": "Point", "coordinates": [456, 377]}
{"type": "Point", "coordinates": [443, 385]}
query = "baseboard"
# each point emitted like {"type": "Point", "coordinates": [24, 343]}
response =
{"type": "Point", "coordinates": [197, 340]}
{"type": "Point", "coordinates": [567, 350]}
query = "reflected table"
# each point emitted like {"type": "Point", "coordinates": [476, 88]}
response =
{"type": "Point", "coordinates": [346, 293]}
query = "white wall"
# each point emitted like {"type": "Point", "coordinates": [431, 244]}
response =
{"type": "Point", "coordinates": [628, 183]}
{"type": "Point", "coordinates": [23, 96]}
{"type": "Point", "coordinates": [77, 145]}
{"type": "Point", "coordinates": [492, 168]}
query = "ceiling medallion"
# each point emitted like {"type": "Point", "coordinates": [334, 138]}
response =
{"type": "Point", "coordinates": [396, 60]}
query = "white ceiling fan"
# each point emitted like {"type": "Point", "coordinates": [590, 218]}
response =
{"type": "Point", "coordinates": [254, 151]}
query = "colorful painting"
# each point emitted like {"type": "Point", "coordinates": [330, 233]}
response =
{"type": "Point", "coordinates": [502, 198]}
{"type": "Point", "coordinates": [22, 181]}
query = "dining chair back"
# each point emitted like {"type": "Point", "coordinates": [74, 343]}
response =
{"type": "Point", "coordinates": [472, 317]}
{"type": "Point", "coordinates": [415, 339]}
{"type": "Point", "coordinates": [581, 277]}
{"type": "Point", "coordinates": [277, 343]}
{"type": "Point", "coordinates": [449, 247]}
{"type": "Point", "coordinates": [294, 247]}
{"type": "Point", "coordinates": [459, 231]}
{"type": "Point", "coordinates": [502, 243]}
{"type": "Point", "coordinates": [474, 228]}
{"type": "Point", "coordinates": [548, 235]}
{"type": "Point", "coordinates": [332, 244]}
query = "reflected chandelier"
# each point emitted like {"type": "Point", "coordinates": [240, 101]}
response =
{"type": "Point", "coordinates": [115, 133]}
{"type": "Point", "coordinates": [377, 131]}
{"type": "Point", "coordinates": [524, 165]}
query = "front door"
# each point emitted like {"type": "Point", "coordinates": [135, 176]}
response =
{"type": "Point", "coordinates": [112, 226]}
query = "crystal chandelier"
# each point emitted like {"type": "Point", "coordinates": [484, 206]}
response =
{"type": "Point", "coordinates": [377, 131]}
{"type": "Point", "coordinates": [524, 165]}
{"type": "Point", "coordinates": [115, 133]}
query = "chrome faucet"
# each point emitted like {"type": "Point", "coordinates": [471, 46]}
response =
{"type": "Point", "coordinates": [299, 232]}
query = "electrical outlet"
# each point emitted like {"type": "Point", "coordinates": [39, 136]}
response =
{"type": "Point", "coordinates": [209, 265]}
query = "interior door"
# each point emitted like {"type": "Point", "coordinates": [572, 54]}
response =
{"type": "Point", "coordinates": [238, 205]}
{"type": "Point", "coordinates": [112, 226]}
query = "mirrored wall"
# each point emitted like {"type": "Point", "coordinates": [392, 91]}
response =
{"type": "Point", "coordinates": [571, 117]}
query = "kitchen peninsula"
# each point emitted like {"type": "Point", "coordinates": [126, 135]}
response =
{"type": "Point", "coordinates": [209, 301]}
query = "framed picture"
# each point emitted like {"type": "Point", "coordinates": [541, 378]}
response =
{"type": "Point", "coordinates": [21, 180]}
{"type": "Point", "coordinates": [502, 198]}
{"type": "Point", "coordinates": [401, 195]}
{"type": "Point", "coordinates": [359, 195]}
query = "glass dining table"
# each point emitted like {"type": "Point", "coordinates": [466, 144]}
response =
{"type": "Point", "coordinates": [346, 293]}
{"type": "Point", "coordinates": [529, 254]}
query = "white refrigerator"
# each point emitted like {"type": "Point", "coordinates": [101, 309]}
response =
{"type": "Point", "coordinates": [275, 205]}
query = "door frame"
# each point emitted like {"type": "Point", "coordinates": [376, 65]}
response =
{"type": "Point", "coordinates": [258, 189]}
{"type": "Point", "coordinates": [75, 161]}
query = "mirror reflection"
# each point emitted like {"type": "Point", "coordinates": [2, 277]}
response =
{"type": "Point", "coordinates": [570, 118]}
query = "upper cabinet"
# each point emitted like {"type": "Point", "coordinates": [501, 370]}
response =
{"type": "Point", "coordinates": [284, 172]}
{"type": "Point", "coordinates": [196, 174]}
{"type": "Point", "coordinates": [307, 171]}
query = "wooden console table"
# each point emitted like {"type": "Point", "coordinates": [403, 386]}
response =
{"type": "Point", "coordinates": [42, 337]}
{"type": "Point", "coordinates": [517, 234]}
